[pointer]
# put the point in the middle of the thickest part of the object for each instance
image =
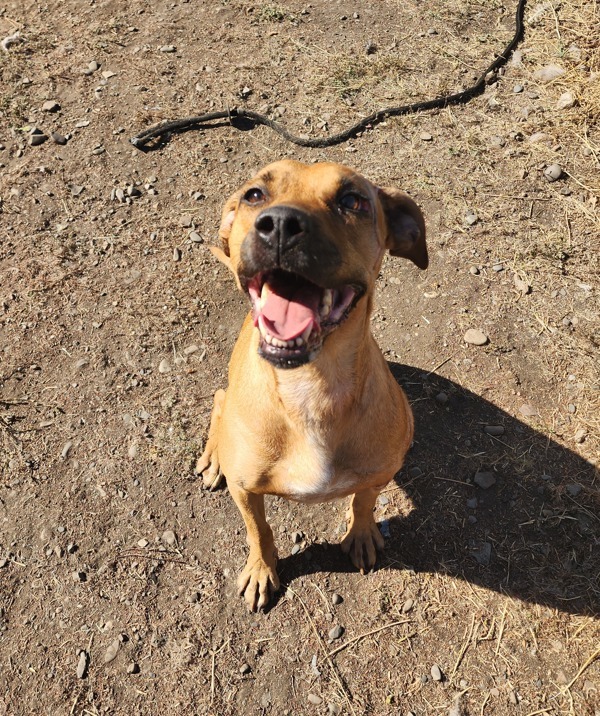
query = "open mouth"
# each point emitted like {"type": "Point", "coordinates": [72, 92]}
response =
{"type": "Point", "coordinates": [295, 315]}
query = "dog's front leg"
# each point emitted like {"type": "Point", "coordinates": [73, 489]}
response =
{"type": "Point", "coordinates": [363, 538]}
{"type": "Point", "coordinates": [259, 577]}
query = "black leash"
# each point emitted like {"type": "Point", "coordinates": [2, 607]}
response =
{"type": "Point", "coordinates": [246, 119]}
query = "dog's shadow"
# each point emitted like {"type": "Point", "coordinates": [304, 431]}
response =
{"type": "Point", "coordinates": [534, 534]}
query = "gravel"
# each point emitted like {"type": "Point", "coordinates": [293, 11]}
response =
{"type": "Point", "coordinates": [336, 632]}
{"type": "Point", "coordinates": [169, 538]}
{"type": "Point", "coordinates": [336, 598]}
{"type": "Point", "coordinates": [553, 172]}
{"type": "Point", "coordinates": [82, 664]}
{"type": "Point", "coordinates": [112, 651]}
{"type": "Point", "coordinates": [548, 73]}
{"type": "Point", "coordinates": [436, 673]}
{"type": "Point", "coordinates": [50, 106]}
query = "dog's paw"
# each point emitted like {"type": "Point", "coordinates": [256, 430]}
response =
{"type": "Point", "coordinates": [361, 544]}
{"type": "Point", "coordinates": [208, 468]}
{"type": "Point", "coordinates": [258, 582]}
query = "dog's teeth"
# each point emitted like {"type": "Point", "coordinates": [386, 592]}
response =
{"type": "Point", "coordinates": [327, 297]}
{"type": "Point", "coordinates": [268, 338]}
{"type": "Point", "coordinates": [299, 342]}
{"type": "Point", "coordinates": [264, 295]}
{"type": "Point", "coordinates": [306, 333]}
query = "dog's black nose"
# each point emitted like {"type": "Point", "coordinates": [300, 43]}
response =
{"type": "Point", "coordinates": [281, 227]}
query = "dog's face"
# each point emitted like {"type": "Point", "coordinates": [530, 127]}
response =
{"type": "Point", "coordinates": [306, 243]}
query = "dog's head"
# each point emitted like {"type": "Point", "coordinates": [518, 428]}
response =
{"type": "Point", "coordinates": [306, 243]}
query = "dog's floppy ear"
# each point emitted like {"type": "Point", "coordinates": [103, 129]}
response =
{"type": "Point", "coordinates": [405, 226]}
{"type": "Point", "coordinates": [227, 218]}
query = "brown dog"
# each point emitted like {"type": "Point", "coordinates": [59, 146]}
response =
{"type": "Point", "coordinates": [312, 412]}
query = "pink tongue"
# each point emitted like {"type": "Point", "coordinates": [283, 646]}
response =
{"type": "Point", "coordinates": [287, 318]}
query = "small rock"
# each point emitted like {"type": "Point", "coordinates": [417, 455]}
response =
{"type": "Point", "coordinates": [522, 286]}
{"type": "Point", "coordinates": [553, 172]}
{"type": "Point", "coordinates": [495, 430]}
{"type": "Point", "coordinates": [566, 101]}
{"type": "Point", "coordinates": [512, 697]}
{"type": "Point", "coordinates": [50, 106]}
{"type": "Point", "coordinates": [580, 436]}
{"type": "Point", "coordinates": [169, 538]}
{"type": "Point", "coordinates": [164, 366]}
{"type": "Point", "coordinates": [112, 651]}
{"type": "Point", "coordinates": [517, 89]}
{"type": "Point", "coordinates": [107, 74]}
{"type": "Point", "coordinates": [142, 543]}
{"type": "Point", "coordinates": [472, 503]}
{"type": "Point", "coordinates": [442, 398]}
{"type": "Point", "coordinates": [336, 598]}
{"type": "Point", "coordinates": [168, 48]}
{"type": "Point", "coordinates": [297, 537]}
{"type": "Point", "coordinates": [66, 449]}
{"type": "Point", "coordinates": [97, 151]}
{"type": "Point", "coordinates": [407, 606]}
{"type": "Point", "coordinates": [436, 673]}
{"type": "Point", "coordinates": [383, 500]}
{"type": "Point", "coordinates": [482, 553]}
{"type": "Point", "coordinates": [370, 48]}
{"type": "Point", "coordinates": [133, 668]}
{"type": "Point", "coordinates": [79, 576]}
{"type": "Point", "coordinates": [133, 192]}
{"type": "Point", "coordinates": [76, 189]}
{"type": "Point", "coordinates": [295, 549]}
{"type": "Point", "coordinates": [336, 632]}
{"type": "Point", "coordinates": [474, 271]}
{"type": "Point", "coordinates": [426, 137]}
{"type": "Point", "coordinates": [314, 699]}
{"type": "Point", "coordinates": [37, 137]}
{"type": "Point", "coordinates": [574, 489]}
{"type": "Point", "coordinates": [471, 218]}
{"type": "Point", "coordinates": [186, 222]}
{"type": "Point", "coordinates": [245, 668]}
{"type": "Point", "coordinates": [485, 480]}
{"type": "Point", "coordinates": [528, 410]}
{"type": "Point", "coordinates": [548, 73]}
{"type": "Point", "coordinates": [58, 138]}
{"type": "Point", "coordinates": [498, 267]}
{"type": "Point", "coordinates": [194, 598]}
{"type": "Point", "coordinates": [82, 664]}
{"type": "Point", "coordinates": [475, 337]}
{"type": "Point", "coordinates": [334, 709]}
{"type": "Point", "coordinates": [195, 237]}
{"type": "Point", "coordinates": [176, 254]}
{"type": "Point", "coordinates": [415, 471]}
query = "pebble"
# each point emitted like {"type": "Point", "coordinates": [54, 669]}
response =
{"type": "Point", "coordinates": [58, 138]}
{"type": "Point", "coordinates": [512, 697]}
{"type": "Point", "coordinates": [474, 271]}
{"type": "Point", "coordinates": [426, 137]}
{"type": "Point", "coordinates": [549, 73]}
{"type": "Point", "coordinates": [97, 151]}
{"type": "Point", "coordinates": [334, 709]}
{"type": "Point", "coordinates": [314, 699]}
{"type": "Point", "coordinates": [245, 668]}
{"type": "Point", "coordinates": [143, 543]}
{"type": "Point", "coordinates": [566, 101]}
{"type": "Point", "coordinates": [472, 503]}
{"type": "Point", "coordinates": [475, 337]}
{"type": "Point", "coordinates": [186, 222]}
{"type": "Point", "coordinates": [370, 48]}
{"type": "Point", "coordinates": [485, 480]}
{"type": "Point", "coordinates": [66, 449]}
{"type": "Point", "coordinates": [133, 668]}
{"type": "Point", "coordinates": [517, 89]}
{"type": "Point", "coordinates": [336, 598]}
{"type": "Point", "coordinates": [37, 137]}
{"type": "Point", "coordinates": [522, 286]}
{"type": "Point", "coordinates": [164, 366]}
{"type": "Point", "coordinates": [415, 471]}
{"type": "Point", "coordinates": [194, 598]}
{"type": "Point", "coordinates": [176, 254]}
{"type": "Point", "coordinates": [79, 576]}
{"type": "Point", "coordinates": [580, 435]}
{"type": "Point", "coordinates": [82, 664]}
{"type": "Point", "coordinates": [112, 651]}
{"type": "Point", "coordinates": [50, 106]}
{"type": "Point", "coordinates": [553, 172]}
{"type": "Point", "coordinates": [528, 410]}
{"type": "Point", "coordinates": [408, 605]}
{"type": "Point", "coordinates": [495, 430]}
{"type": "Point", "coordinates": [295, 549]}
{"type": "Point", "coordinates": [442, 398]}
{"type": "Point", "coordinates": [336, 632]}
{"type": "Point", "coordinates": [436, 673]}
{"type": "Point", "coordinates": [297, 537]}
{"type": "Point", "coordinates": [76, 189]}
{"type": "Point", "coordinates": [133, 192]}
{"type": "Point", "coordinates": [169, 538]}
{"type": "Point", "coordinates": [483, 553]}
{"type": "Point", "coordinates": [498, 267]}
{"type": "Point", "coordinates": [471, 218]}
{"type": "Point", "coordinates": [195, 237]}
{"type": "Point", "coordinates": [168, 48]}
{"type": "Point", "coordinates": [383, 500]}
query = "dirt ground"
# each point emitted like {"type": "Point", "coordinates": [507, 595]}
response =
{"type": "Point", "coordinates": [117, 572]}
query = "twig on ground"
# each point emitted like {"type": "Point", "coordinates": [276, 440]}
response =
{"type": "Point", "coordinates": [367, 633]}
{"type": "Point", "coordinates": [464, 648]}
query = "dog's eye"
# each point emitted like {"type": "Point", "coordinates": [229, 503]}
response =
{"type": "Point", "coordinates": [355, 202]}
{"type": "Point", "coordinates": [254, 196]}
